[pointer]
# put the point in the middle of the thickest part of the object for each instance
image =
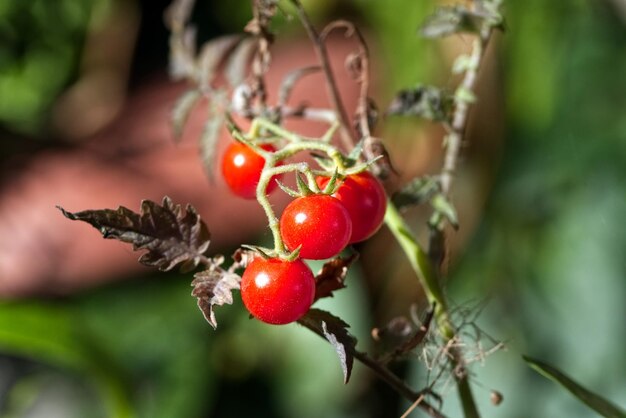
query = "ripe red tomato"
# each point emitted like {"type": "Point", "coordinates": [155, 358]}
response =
{"type": "Point", "coordinates": [319, 223]}
{"type": "Point", "coordinates": [241, 168]}
{"type": "Point", "coordinates": [364, 197]}
{"type": "Point", "coordinates": [277, 291]}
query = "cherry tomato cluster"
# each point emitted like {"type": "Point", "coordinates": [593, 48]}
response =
{"type": "Point", "coordinates": [318, 226]}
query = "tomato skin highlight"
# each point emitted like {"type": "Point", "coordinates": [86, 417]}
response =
{"type": "Point", "coordinates": [276, 291]}
{"type": "Point", "coordinates": [242, 167]}
{"type": "Point", "coordinates": [319, 224]}
{"type": "Point", "coordinates": [364, 198]}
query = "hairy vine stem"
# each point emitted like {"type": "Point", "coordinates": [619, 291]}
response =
{"type": "Point", "coordinates": [436, 249]}
{"type": "Point", "coordinates": [454, 140]}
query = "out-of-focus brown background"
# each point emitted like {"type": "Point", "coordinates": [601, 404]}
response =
{"type": "Point", "coordinates": [541, 195]}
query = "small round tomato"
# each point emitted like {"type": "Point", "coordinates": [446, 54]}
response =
{"type": "Point", "coordinates": [364, 197]}
{"type": "Point", "coordinates": [277, 291]}
{"type": "Point", "coordinates": [241, 168]}
{"type": "Point", "coordinates": [319, 224]}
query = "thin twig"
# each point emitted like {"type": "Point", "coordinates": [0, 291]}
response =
{"type": "Point", "coordinates": [396, 383]}
{"type": "Point", "coordinates": [331, 84]}
{"type": "Point", "coordinates": [413, 406]}
{"type": "Point", "coordinates": [436, 250]}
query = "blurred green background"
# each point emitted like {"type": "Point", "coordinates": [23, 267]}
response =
{"type": "Point", "coordinates": [548, 255]}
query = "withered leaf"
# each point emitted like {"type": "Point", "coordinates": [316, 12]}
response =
{"type": "Point", "coordinates": [428, 102]}
{"type": "Point", "coordinates": [182, 109]}
{"type": "Point", "coordinates": [238, 61]}
{"type": "Point", "coordinates": [171, 235]}
{"type": "Point", "coordinates": [208, 140]}
{"type": "Point", "coordinates": [332, 276]}
{"type": "Point", "coordinates": [213, 287]}
{"type": "Point", "coordinates": [334, 330]}
{"type": "Point", "coordinates": [290, 80]}
{"type": "Point", "coordinates": [212, 54]}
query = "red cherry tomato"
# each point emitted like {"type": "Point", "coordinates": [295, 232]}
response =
{"type": "Point", "coordinates": [364, 197]}
{"type": "Point", "coordinates": [241, 168]}
{"type": "Point", "coordinates": [320, 224]}
{"type": "Point", "coordinates": [277, 291]}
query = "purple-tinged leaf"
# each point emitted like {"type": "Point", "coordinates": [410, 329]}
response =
{"type": "Point", "coordinates": [334, 330]}
{"type": "Point", "coordinates": [332, 276]}
{"type": "Point", "coordinates": [171, 235]}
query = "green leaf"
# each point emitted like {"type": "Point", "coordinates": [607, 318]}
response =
{"type": "Point", "coordinates": [335, 331]}
{"type": "Point", "coordinates": [182, 109]}
{"type": "Point", "coordinates": [171, 236]}
{"type": "Point", "coordinates": [596, 402]}
{"type": "Point", "coordinates": [48, 333]}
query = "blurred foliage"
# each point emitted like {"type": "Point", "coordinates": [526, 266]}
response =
{"type": "Point", "coordinates": [549, 252]}
{"type": "Point", "coordinates": [40, 44]}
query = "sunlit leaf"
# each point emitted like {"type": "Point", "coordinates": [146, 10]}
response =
{"type": "Point", "coordinates": [213, 287]}
{"type": "Point", "coordinates": [594, 401]}
{"type": "Point", "coordinates": [171, 236]}
{"type": "Point", "coordinates": [334, 330]}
